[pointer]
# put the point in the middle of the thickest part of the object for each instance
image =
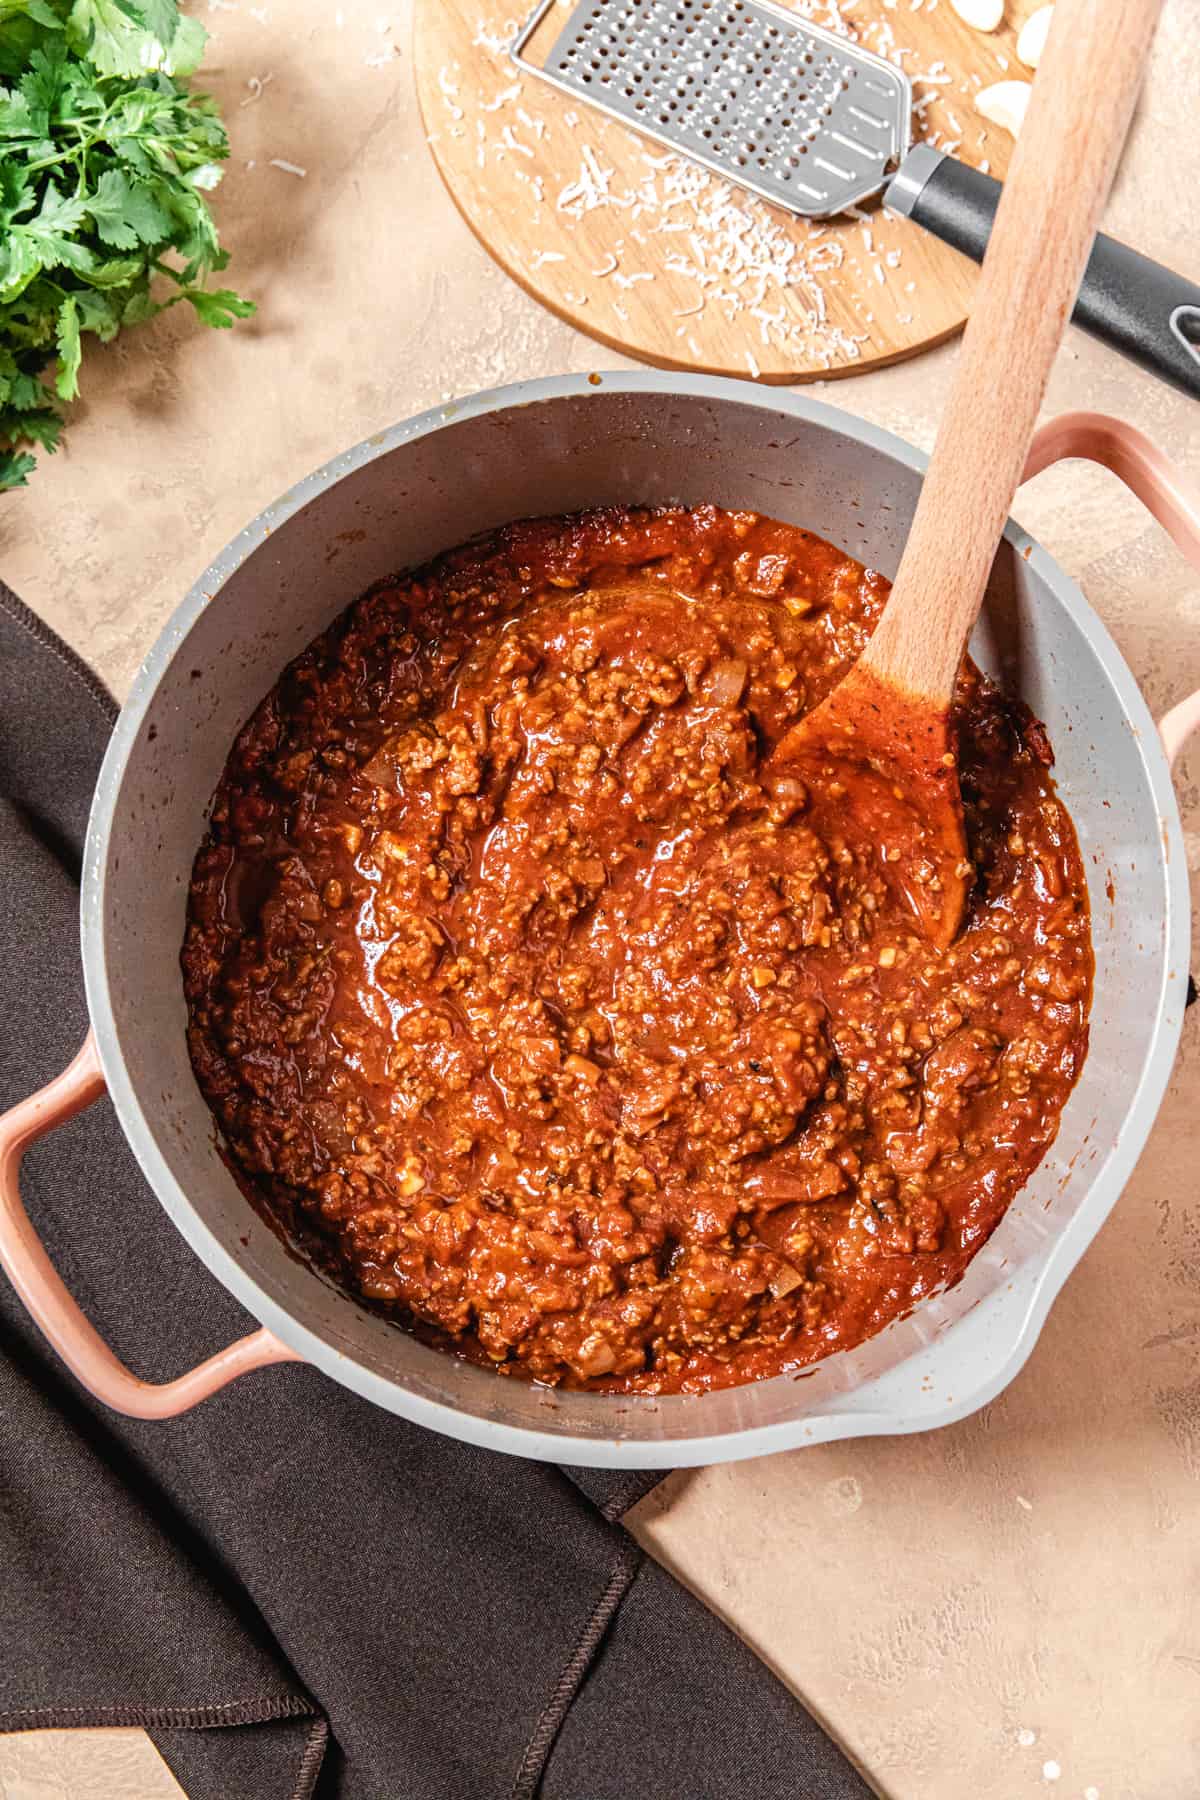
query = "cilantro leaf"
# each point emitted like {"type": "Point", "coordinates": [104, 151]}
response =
{"type": "Point", "coordinates": [54, 222]}
{"type": "Point", "coordinates": [136, 37]}
{"type": "Point", "coordinates": [126, 213]}
{"type": "Point", "coordinates": [15, 468]}
{"type": "Point", "coordinates": [42, 86]}
{"type": "Point", "coordinates": [106, 158]}
{"type": "Point", "coordinates": [41, 426]}
{"type": "Point", "coordinates": [18, 191]}
{"type": "Point", "coordinates": [18, 118]}
{"type": "Point", "coordinates": [103, 313]}
{"type": "Point", "coordinates": [113, 38]}
{"type": "Point", "coordinates": [116, 271]}
{"type": "Point", "coordinates": [160, 17]}
{"type": "Point", "coordinates": [70, 351]}
{"type": "Point", "coordinates": [141, 305]}
{"type": "Point", "coordinates": [187, 46]}
{"type": "Point", "coordinates": [37, 10]}
{"type": "Point", "coordinates": [18, 387]}
{"type": "Point", "coordinates": [19, 265]}
{"type": "Point", "coordinates": [218, 306]}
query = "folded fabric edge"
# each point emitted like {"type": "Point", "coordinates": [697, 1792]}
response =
{"type": "Point", "coordinates": [258, 1710]}
{"type": "Point", "coordinates": [532, 1766]}
{"type": "Point", "coordinates": [160, 1721]}
{"type": "Point", "coordinates": [308, 1770]}
{"type": "Point", "coordinates": [79, 670]}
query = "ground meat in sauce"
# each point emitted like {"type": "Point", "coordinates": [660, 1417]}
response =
{"type": "Point", "coordinates": [543, 1019]}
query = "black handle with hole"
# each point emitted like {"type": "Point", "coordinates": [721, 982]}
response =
{"type": "Point", "coordinates": [1132, 304]}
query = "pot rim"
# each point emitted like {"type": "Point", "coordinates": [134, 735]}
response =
{"type": "Point", "coordinates": [1063, 1253]}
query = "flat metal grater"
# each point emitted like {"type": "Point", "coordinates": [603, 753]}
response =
{"type": "Point", "coordinates": [816, 124]}
{"type": "Point", "coordinates": [794, 113]}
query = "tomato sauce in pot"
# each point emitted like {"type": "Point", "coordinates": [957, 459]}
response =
{"type": "Point", "coordinates": [538, 1012]}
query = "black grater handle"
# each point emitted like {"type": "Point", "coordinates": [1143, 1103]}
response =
{"type": "Point", "coordinates": [1130, 303]}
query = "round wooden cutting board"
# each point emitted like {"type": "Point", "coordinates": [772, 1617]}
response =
{"type": "Point", "coordinates": [659, 259]}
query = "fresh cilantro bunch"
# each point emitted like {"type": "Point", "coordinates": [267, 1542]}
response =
{"type": "Point", "coordinates": [105, 158]}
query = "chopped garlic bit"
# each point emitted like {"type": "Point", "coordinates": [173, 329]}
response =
{"type": "Point", "coordinates": [1004, 104]}
{"type": "Point", "coordinates": [981, 15]}
{"type": "Point", "coordinates": [1034, 32]}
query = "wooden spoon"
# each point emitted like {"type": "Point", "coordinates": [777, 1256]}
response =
{"type": "Point", "coordinates": [881, 747]}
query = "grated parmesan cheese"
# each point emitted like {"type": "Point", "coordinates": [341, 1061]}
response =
{"type": "Point", "coordinates": [590, 189]}
{"type": "Point", "coordinates": [495, 42]}
{"type": "Point", "coordinates": [449, 92]}
{"type": "Point", "coordinates": [256, 84]}
{"type": "Point", "coordinates": [501, 99]}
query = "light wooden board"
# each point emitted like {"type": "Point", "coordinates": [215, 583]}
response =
{"type": "Point", "coordinates": [662, 261]}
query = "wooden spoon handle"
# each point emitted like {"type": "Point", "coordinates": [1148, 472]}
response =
{"type": "Point", "coordinates": [1066, 153]}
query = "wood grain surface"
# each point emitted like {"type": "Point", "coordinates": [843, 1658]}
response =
{"type": "Point", "coordinates": [657, 258]}
{"type": "Point", "coordinates": [893, 708]}
{"type": "Point", "coordinates": [1073, 134]}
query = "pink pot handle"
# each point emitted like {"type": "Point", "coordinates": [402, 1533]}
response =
{"type": "Point", "coordinates": [50, 1305]}
{"type": "Point", "coordinates": [1158, 484]}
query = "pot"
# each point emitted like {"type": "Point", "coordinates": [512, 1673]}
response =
{"type": "Point", "coordinates": [550, 447]}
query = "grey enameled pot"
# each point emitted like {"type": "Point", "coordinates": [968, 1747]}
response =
{"type": "Point", "coordinates": [551, 447]}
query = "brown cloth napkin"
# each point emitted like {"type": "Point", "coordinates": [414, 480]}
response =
{"type": "Point", "coordinates": [295, 1593]}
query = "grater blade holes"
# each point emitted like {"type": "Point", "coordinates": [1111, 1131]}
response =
{"type": "Point", "coordinates": [752, 85]}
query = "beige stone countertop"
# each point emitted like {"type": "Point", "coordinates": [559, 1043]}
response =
{"type": "Point", "coordinates": [1006, 1608]}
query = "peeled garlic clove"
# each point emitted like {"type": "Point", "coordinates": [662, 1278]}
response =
{"type": "Point", "coordinates": [1004, 103]}
{"type": "Point", "coordinates": [983, 15]}
{"type": "Point", "coordinates": [1032, 40]}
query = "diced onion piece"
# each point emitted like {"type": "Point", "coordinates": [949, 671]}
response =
{"type": "Point", "coordinates": [788, 794]}
{"type": "Point", "coordinates": [1004, 104]}
{"type": "Point", "coordinates": [1034, 32]}
{"type": "Point", "coordinates": [381, 770]}
{"type": "Point", "coordinates": [498, 1164]}
{"type": "Point", "coordinates": [784, 1280]}
{"type": "Point", "coordinates": [725, 682]}
{"type": "Point", "coordinates": [595, 1356]}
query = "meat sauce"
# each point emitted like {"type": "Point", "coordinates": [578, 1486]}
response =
{"type": "Point", "coordinates": [534, 1008]}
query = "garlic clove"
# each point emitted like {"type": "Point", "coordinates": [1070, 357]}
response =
{"type": "Point", "coordinates": [1004, 103]}
{"type": "Point", "coordinates": [1032, 40]}
{"type": "Point", "coordinates": [983, 15]}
